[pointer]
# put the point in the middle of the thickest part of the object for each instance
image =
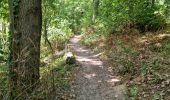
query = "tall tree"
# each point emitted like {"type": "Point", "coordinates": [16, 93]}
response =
{"type": "Point", "coordinates": [25, 29]}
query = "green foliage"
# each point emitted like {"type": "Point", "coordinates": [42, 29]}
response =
{"type": "Point", "coordinates": [140, 14]}
{"type": "Point", "coordinates": [133, 91]}
{"type": "Point", "coordinates": [3, 46]}
{"type": "Point", "coordinates": [113, 14]}
{"type": "Point", "coordinates": [65, 17]}
{"type": "Point", "coordinates": [87, 40]}
{"type": "Point", "coordinates": [3, 30]}
{"type": "Point", "coordinates": [149, 18]}
{"type": "Point", "coordinates": [4, 9]}
{"type": "Point", "coordinates": [157, 97]}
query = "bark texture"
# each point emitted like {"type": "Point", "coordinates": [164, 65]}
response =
{"type": "Point", "coordinates": [26, 22]}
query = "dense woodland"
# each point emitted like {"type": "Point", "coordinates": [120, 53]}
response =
{"type": "Point", "coordinates": [133, 37]}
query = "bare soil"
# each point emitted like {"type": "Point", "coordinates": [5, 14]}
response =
{"type": "Point", "coordinates": [94, 80]}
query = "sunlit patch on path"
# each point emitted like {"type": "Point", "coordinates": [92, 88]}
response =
{"type": "Point", "coordinates": [93, 80]}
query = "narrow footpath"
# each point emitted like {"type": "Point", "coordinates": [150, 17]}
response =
{"type": "Point", "coordinates": [94, 80]}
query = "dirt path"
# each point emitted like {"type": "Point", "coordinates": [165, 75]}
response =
{"type": "Point", "coordinates": [93, 80]}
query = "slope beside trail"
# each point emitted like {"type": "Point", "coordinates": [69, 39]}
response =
{"type": "Point", "coordinates": [93, 80]}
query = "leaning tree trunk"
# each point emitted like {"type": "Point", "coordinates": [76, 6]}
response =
{"type": "Point", "coordinates": [45, 29]}
{"type": "Point", "coordinates": [95, 10]}
{"type": "Point", "coordinates": [153, 3]}
{"type": "Point", "coordinates": [25, 32]}
{"type": "Point", "coordinates": [46, 35]}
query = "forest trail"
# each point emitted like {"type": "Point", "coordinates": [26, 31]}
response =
{"type": "Point", "coordinates": [93, 80]}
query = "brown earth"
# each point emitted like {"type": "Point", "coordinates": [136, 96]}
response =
{"type": "Point", "coordinates": [94, 80]}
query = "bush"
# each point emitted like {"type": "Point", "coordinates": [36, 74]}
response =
{"type": "Point", "coordinates": [148, 20]}
{"type": "Point", "coordinates": [139, 14]}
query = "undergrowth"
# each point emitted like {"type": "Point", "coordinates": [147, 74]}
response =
{"type": "Point", "coordinates": [55, 81]}
{"type": "Point", "coordinates": [142, 61]}
{"type": "Point", "coordinates": [91, 40]}
{"type": "Point", "coordinates": [55, 76]}
{"type": "Point", "coordinates": [3, 80]}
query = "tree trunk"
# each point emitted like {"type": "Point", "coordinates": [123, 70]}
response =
{"type": "Point", "coordinates": [25, 32]}
{"type": "Point", "coordinates": [95, 10]}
